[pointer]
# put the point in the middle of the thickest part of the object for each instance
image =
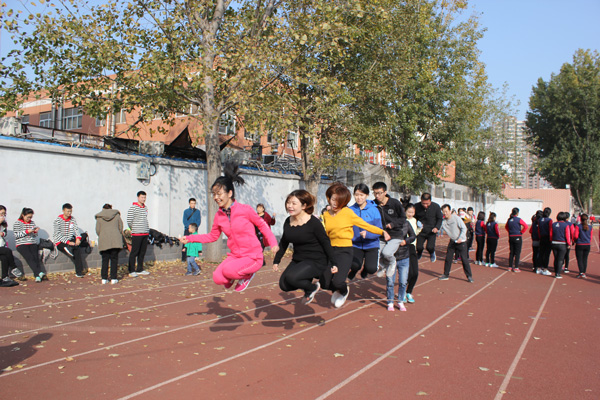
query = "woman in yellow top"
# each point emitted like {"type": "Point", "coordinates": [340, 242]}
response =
{"type": "Point", "coordinates": [339, 221]}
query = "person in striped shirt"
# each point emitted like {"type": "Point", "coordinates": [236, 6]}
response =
{"type": "Point", "coordinates": [67, 239]}
{"type": "Point", "coordinates": [137, 220]}
{"type": "Point", "coordinates": [25, 231]}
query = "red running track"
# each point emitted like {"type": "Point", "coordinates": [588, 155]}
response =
{"type": "Point", "coordinates": [506, 336]}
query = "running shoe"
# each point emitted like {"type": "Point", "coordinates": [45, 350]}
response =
{"type": "Point", "coordinates": [16, 272]}
{"type": "Point", "coordinates": [104, 281]}
{"type": "Point", "coordinates": [43, 276]}
{"type": "Point", "coordinates": [443, 278]}
{"type": "Point", "coordinates": [144, 272]}
{"type": "Point", "coordinates": [566, 271]}
{"type": "Point", "coordinates": [77, 275]}
{"type": "Point", "coordinates": [196, 272]}
{"type": "Point", "coordinates": [188, 273]}
{"type": "Point", "coordinates": [308, 299]}
{"type": "Point", "coordinates": [243, 284]}
{"type": "Point", "coordinates": [133, 274]}
{"type": "Point", "coordinates": [409, 298]}
{"type": "Point", "coordinates": [38, 279]}
{"type": "Point", "coordinates": [229, 284]}
{"type": "Point", "coordinates": [538, 271]}
{"type": "Point", "coordinates": [380, 271]}
{"type": "Point", "coordinates": [432, 258]}
{"type": "Point", "coordinates": [487, 264]}
{"type": "Point", "coordinates": [546, 272]}
{"type": "Point", "coordinates": [335, 296]}
{"type": "Point", "coordinates": [558, 277]}
{"type": "Point", "coordinates": [364, 273]}
{"type": "Point", "coordinates": [342, 299]}
{"type": "Point", "coordinates": [114, 281]}
{"type": "Point", "coordinates": [516, 270]}
{"type": "Point", "coordinates": [494, 265]}
{"type": "Point", "coordinates": [584, 276]}
{"type": "Point", "coordinates": [470, 279]}
{"type": "Point", "coordinates": [401, 306]}
{"type": "Point", "coordinates": [390, 306]}
{"type": "Point", "coordinates": [510, 269]}
{"type": "Point", "coordinates": [352, 274]}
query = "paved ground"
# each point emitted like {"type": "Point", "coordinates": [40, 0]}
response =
{"type": "Point", "coordinates": [168, 336]}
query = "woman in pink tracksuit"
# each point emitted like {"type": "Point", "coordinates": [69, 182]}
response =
{"type": "Point", "coordinates": [238, 222]}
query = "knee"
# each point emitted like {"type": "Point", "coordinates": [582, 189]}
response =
{"type": "Point", "coordinates": [218, 277]}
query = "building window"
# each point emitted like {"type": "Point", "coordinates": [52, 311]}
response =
{"type": "Point", "coordinates": [100, 122]}
{"type": "Point", "coordinates": [24, 119]}
{"type": "Point", "coordinates": [46, 119]}
{"type": "Point", "coordinates": [227, 124]}
{"type": "Point", "coordinates": [121, 117]}
{"type": "Point", "coordinates": [292, 139]}
{"type": "Point", "coordinates": [72, 118]}
{"type": "Point", "coordinates": [250, 136]}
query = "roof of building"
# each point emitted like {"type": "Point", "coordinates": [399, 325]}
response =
{"type": "Point", "coordinates": [557, 199]}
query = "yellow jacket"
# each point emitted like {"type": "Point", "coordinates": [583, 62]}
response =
{"type": "Point", "coordinates": [339, 227]}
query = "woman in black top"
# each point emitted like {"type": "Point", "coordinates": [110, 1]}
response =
{"type": "Point", "coordinates": [312, 248]}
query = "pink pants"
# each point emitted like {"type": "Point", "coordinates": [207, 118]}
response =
{"type": "Point", "coordinates": [235, 268]}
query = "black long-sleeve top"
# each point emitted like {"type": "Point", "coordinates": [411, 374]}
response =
{"type": "Point", "coordinates": [430, 217]}
{"type": "Point", "coordinates": [407, 234]}
{"type": "Point", "coordinates": [392, 213]}
{"type": "Point", "coordinates": [310, 243]}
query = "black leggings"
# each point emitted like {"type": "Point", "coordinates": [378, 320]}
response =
{"type": "Point", "coordinates": [138, 250]}
{"type": "Point", "coordinates": [480, 246]}
{"type": "Point", "coordinates": [515, 244]}
{"type": "Point", "coordinates": [31, 256]}
{"type": "Point", "coordinates": [536, 256]}
{"type": "Point", "coordinates": [490, 253]}
{"type": "Point", "coordinates": [337, 282]}
{"type": "Point", "coordinates": [111, 255]}
{"type": "Point", "coordinates": [545, 250]}
{"type": "Point", "coordinates": [8, 261]}
{"type": "Point", "coordinates": [559, 251]}
{"type": "Point", "coordinates": [370, 258]}
{"type": "Point", "coordinates": [413, 270]}
{"type": "Point", "coordinates": [582, 252]}
{"type": "Point", "coordinates": [299, 275]}
{"type": "Point", "coordinates": [567, 256]}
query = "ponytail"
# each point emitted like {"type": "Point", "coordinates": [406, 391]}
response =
{"type": "Point", "coordinates": [584, 222]}
{"type": "Point", "coordinates": [231, 176]}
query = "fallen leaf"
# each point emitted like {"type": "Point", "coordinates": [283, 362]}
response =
{"type": "Point", "coordinates": [9, 368]}
{"type": "Point", "coordinates": [82, 377]}
{"type": "Point", "coordinates": [338, 355]}
{"type": "Point", "coordinates": [421, 393]}
{"type": "Point", "coordinates": [222, 373]}
{"type": "Point", "coordinates": [113, 355]}
{"type": "Point", "coordinates": [69, 359]}
{"type": "Point", "coordinates": [61, 366]}
{"type": "Point", "coordinates": [484, 369]}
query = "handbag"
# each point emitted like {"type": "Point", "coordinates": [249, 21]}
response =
{"type": "Point", "coordinates": [46, 244]}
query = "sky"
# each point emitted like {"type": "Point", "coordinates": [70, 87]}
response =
{"type": "Point", "coordinates": [524, 39]}
{"type": "Point", "coordinates": [530, 39]}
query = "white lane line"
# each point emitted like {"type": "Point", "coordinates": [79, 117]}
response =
{"type": "Point", "coordinates": [177, 378]}
{"type": "Point", "coordinates": [405, 342]}
{"type": "Point", "coordinates": [513, 366]}
{"type": "Point", "coordinates": [113, 314]}
{"type": "Point", "coordinates": [88, 298]}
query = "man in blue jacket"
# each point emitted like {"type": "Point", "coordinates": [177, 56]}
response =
{"type": "Point", "coordinates": [191, 215]}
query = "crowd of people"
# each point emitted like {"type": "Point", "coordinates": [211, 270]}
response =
{"type": "Point", "coordinates": [382, 237]}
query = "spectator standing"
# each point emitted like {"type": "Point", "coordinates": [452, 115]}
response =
{"type": "Point", "coordinates": [583, 240]}
{"type": "Point", "coordinates": [560, 236]}
{"type": "Point", "coordinates": [192, 251]}
{"type": "Point", "coordinates": [137, 221]}
{"type": "Point", "coordinates": [269, 219]}
{"type": "Point", "coordinates": [430, 215]}
{"type": "Point", "coordinates": [515, 227]}
{"type": "Point", "coordinates": [191, 215]}
{"type": "Point", "coordinates": [568, 253]}
{"type": "Point", "coordinates": [25, 231]}
{"type": "Point", "coordinates": [413, 269]}
{"type": "Point", "coordinates": [535, 241]}
{"type": "Point", "coordinates": [456, 230]}
{"type": "Point", "coordinates": [109, 227]}
{"type": "Point", "coordinates": [67, 239]}
{"type": "Point", "coordinates": [493, 234]}
{"type": "Point", "coordinates": [480, 232]}
{"type": "Point", "coordinates": [544, 232]}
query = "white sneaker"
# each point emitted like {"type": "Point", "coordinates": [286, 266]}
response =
{"type": "Point", "coordinates": [494, 265]}
{"type": "Point", "coordinates": [133, 274]}
{"type": "Point", "coordinates": [114, 281]}
{"type": "Point", "coordinates": [546, 272]}
{"type": "Point", "coordinates": [311, 296]}
{"type": "Point", "coordinates": [487, 264]}
{"type": "Point", "coordinates": [144, 272]}
{"type": "Point", "coordinates": [380, 271]}
{"type": "Point", "coordinates": [335, 296]}
{"type": "Point", "coordinates": [539, 271]}
{"type": "Point", "coordinates": [104, 281]}
{"type": "Point", "coordinates": [341, 300]}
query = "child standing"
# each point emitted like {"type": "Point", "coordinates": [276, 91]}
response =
{"type": "Point", "coordinates": [413, 269]}
{"type": "Point", "coordinates": [583, 239]}
{"type": "Point", "coordinates": [408, 236]}
{"type": "Point", "coordinates": [192, 250]}
{"type": "Point", "coordinates": [493, 234]}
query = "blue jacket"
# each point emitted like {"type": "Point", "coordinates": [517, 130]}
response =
{"type": "Point", "coordinates": [371, 215]}
{"type": "Point", "coordinates": [188, 217]}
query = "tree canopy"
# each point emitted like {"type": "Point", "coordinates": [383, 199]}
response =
{"type": "Point", "coordinates": [564, 126]}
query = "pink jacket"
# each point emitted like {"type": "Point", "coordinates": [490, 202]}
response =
{"type": "Point", "coordinates": [241, 236]}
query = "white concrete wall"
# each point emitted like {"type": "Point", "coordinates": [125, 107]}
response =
{"type": "Point", "coordinates": [45, 176]}
{"type": "Point", "coordinates": [503, 208]}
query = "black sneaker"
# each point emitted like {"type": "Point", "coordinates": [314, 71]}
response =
{"type": "Point", "coordinates": [16, 272]}
{"type": "Point", "coordinates": [443, 278]}
{"type": "Point", "coordinates": [364, 273]}
{"type": "Point", "coordinates": [558, 276]}
{"type": "Point", "coordinates": [470, 279]}
{"type": "Point", "coordinates": [7, 282]}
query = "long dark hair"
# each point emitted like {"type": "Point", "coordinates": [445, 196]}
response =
{"type": "Point", "coordinates": [231, 176]}
{"type": "Point", "coordinates": [361, 187]}
{"type": "Point", "coordinates": [492, 217]}
{"type": "Point", "coordinates": [547, 212]}
{"type": "Point", "coordinates": [480, 216]}
{"type": "Point", "coordinates": [24, 212]}
{"type": "Point", "coordinates": [584, 222]}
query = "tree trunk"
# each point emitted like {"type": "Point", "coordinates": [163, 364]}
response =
{"type": "Point", "coordinates": [212, 251]}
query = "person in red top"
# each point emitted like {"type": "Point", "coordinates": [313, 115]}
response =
{"type": "Point", "coordinates": [270, 220]}
{"type": "Point", "coordinates": [560, 235]}
{"type": "Point", "coordinates": [67, 238]}
{"type": "Point", "coordinates": [515, 227]}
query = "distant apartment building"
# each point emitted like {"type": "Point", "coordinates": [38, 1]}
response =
{"type": "Point", "coordinates": [512, 136]}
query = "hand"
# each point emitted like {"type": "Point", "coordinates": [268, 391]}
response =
{"type": "Point", "coordinates": [363, 234]}
{"type": "Point", "coordinates": [435, 230]}
{"type": "Point", "coordinates": [386, 236]}
{"type": "Point", "coordinates": [71, 243]}
{"type": "Point", "coordinates": [77, 242]}
{"type": "Point", "coordinates": [2, 234]}
{"type": "Point", "coordinates": [334, 269]}
{"type": "Point", "coordinates": [403, 243]}
{"type": "Point", "coordinates": [275, 249]}
{"type": "Point", "coordinates": [276, 267]}
{"type": "Point", "coordinates": [184, 240]}
{"type": "Point", "coordinates": [36, 230]}
{"type": "Point", "coordinates": [389, 226]}
{"type": "Point", "coordinates": [459, 241]}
